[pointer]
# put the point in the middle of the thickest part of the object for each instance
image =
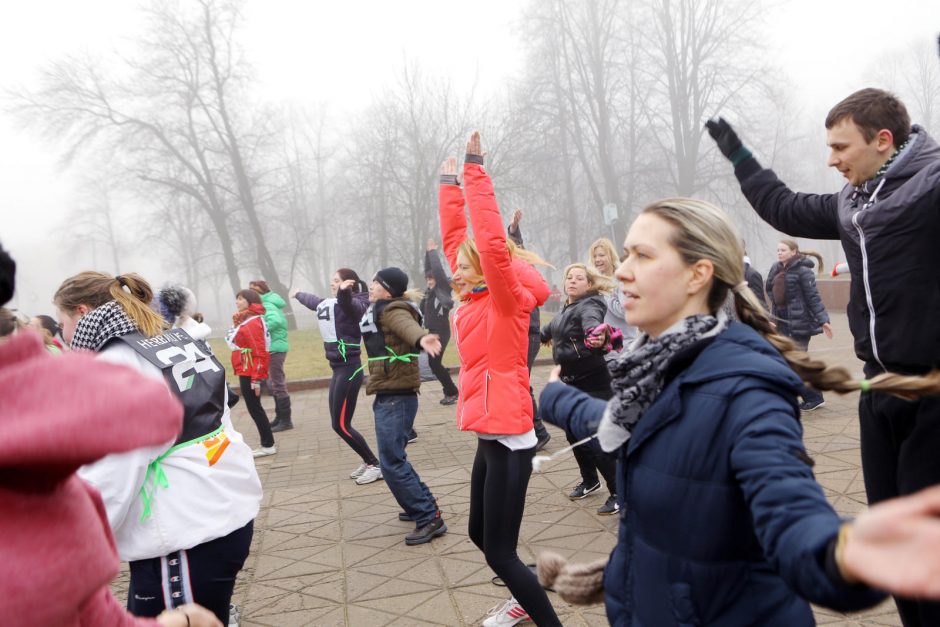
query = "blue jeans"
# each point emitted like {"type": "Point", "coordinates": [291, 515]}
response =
{"type": "Point", "coordinates": [394, 419]}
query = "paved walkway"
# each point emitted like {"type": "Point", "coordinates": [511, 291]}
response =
{"type": "Point", "coordinates": [329, 552]}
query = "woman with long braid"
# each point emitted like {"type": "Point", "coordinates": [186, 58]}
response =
{"type": "Point", "coordinates": [725, 522]}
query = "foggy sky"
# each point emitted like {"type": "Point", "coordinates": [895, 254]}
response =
{"type": "Point", "coordinates": [343, 53]}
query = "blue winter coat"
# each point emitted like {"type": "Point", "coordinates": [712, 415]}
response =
{"type": "Point", "coordinates": [722, 522]}
{"type": "Point", "coordinates": [804, 313]}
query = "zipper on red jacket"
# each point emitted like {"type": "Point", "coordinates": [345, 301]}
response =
{"type": "Point", "coordinates": [460, 403]}
{"type": "Point", "coordinates": [486, 392]}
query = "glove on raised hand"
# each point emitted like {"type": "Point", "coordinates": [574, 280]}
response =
{"type": "Point", "coordinates": [728, 142]}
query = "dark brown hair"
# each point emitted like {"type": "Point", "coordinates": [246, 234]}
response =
{"type": "Point", "coordinates": [872, 110]}
{"type": "Point", "coordinates": [250, 295]}
{"type": "Point", "coordinates": [347, 274]}
{"type": "Point", "coordinates": [259, 286]}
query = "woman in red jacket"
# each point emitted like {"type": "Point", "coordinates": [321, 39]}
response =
{"type": "Point", "coordinates": [249, 340]}
{"type": "Point", "coordinates": [498, 289]}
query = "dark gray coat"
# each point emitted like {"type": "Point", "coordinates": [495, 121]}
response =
{"type": "Point", "coordinates": [889, 228]}
{"type": "Point", "coordinates": [804, 313]}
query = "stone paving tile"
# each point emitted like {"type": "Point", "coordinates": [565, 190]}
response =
{"type": "Point", "coordinates": [329, 552]}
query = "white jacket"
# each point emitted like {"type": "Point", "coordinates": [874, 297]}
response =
{"type": "Point", "coordinates": [201, 502]}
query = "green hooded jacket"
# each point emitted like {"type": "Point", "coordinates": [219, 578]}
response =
{"type": "Point", "coordinates": [276, 321]}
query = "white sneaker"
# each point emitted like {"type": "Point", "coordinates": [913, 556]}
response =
{"type": "Point", "coordinates": [358, 471]}
{"type": "Point", "coordinates": [264, 451]}
{"type": "Point", "coordinates": [370, 474]}
{"type": "Point", "coordinates": [234, 615]}
{"type": "Point", "coordinates": [509, 613]}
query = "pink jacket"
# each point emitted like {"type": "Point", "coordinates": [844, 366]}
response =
{"type": "Point", "coordinates": [58, 413]}
{"type": "Point", "coordinates": [491, 327]}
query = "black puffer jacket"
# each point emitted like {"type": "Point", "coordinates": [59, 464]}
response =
{"type": "Point", "coordinates": [804, 313]}
{"type": "Point", "coordinates": [889, 228]}
{"type": "Point", "coordinates": [568, 329]}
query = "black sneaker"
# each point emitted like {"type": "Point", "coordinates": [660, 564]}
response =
{"type": "Point", "coordinates": [412, 436]}
{"type": "Point", "coordinates": [449, 400]}
{"type": "Point", "coordinates": [609, 507]}
{"type": "Point", "coordinates": [580, 491]}
{"type": "Point", "coordinates": [543, 440]}
{"type": "Point", "coordinates": [428, 532]}
{"type": "Point", "coordinates": [811, 405]}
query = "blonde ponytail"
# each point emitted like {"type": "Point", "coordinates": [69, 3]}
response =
{"type": "Point", "coordinates": [131, 291]}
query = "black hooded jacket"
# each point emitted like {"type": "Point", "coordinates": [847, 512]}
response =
{"type": "Point", "coordinates": [568, 329]}
{"type": "Point", "coordinates": [889, 228]}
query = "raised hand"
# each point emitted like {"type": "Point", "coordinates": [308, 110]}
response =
{"type": "Point", "coordinates": [431, 344]}
{"type": "Point", "coordinates": [474, 146]}
{"type": "Point", "coordinates": [348, 284]}
{"type": "Point", "coordinates": [516, 218]}
{"type": "Point", "coordinates": [432, 245]}
{"type": "Point", "coordinates": [727, 140]}
{"type": "Point", "coordinates": [294, 292]}
{"type": "Point", "coordinates": [895, 546]}
{"type": "Point", "coordinates": [449, 166]}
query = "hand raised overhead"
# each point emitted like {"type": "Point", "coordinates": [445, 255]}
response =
{"type": "Point", "coordinates": [474, 146]}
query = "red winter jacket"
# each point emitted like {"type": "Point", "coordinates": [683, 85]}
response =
{"type": "Point", "coordinates": [250, 342]}
{"type": "Point", "coordinates": [490, 327]}
{"type": "Point", "coordinates": [56, 414]}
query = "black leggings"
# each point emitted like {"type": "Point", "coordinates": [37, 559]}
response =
{"type": "Point", "coordinates": [256, 411]}
{"type": "Point", "coordinates": [343, 396]}
{"type": "Point", "coordinates": [204, 574]}
{"type": "Point", "coordinates": [590, 457]}
{"type": "Point", "coordinates": [498, 485]}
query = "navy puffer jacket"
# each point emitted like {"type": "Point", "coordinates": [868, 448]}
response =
{"type": "Point", "coordinates": [804, 313]}
{"type": "Point", "coordinates": [722, 522]}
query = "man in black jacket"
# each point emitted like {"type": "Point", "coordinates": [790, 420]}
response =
{"type": "Point", "coordinates": [888, 220]}
{"type": "Point", "coordinates": [436, 306]}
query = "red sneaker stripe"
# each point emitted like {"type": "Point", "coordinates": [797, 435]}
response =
{"type": "Point", "coordinates": [517, 612]}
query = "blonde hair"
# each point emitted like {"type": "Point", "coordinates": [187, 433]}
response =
{"type": "Point", "coordinates": [469, 249]}
{"type": "Point", "coordinates": [703, 231]}
{"type": "Point", "coordinates": [597, 282]}
{"type": "Point", "coordinates": [609, 248]}
{"type": "Point", "coordinates": [94, 289]}
{"type": "Point", "coordinates": [792, 245]}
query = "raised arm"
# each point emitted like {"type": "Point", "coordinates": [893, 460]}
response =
{"type": "Point", "coordinates": [310, 301]}
{"type": "Point", "coordinates": [801, 215]}
{"type": "Point", "coordinates": [432, 264]}
{"type": "Point", "coordinates": [451, 211]}
{"type": "Point", "coordinates": [355, 308]}
{"type": "Point", "coordinates": [501, 279]}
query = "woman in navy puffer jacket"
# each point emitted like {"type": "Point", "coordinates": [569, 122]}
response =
{"type": "Point", "coordinates": [722, 521]}
{"type": "Point", "coordinates": [796, 305]}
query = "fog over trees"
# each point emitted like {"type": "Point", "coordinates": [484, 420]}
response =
{"type": "Point", "coordinates": [177, 140]}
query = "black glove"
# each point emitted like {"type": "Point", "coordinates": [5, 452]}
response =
{"type": "Point", "coordinates": [728, 142]}
{"type": "Point", "coordinates": [725, 137]}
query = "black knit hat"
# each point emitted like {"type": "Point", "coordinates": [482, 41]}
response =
{"type": "Point", "coordinates": [393, 279]}
{"type": "Point", "coordinates": [8, 276]}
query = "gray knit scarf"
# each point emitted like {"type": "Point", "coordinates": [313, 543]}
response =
{"type": "Point", "coordinates": [100, 325]}
{"type": "Point", "coordinates": [638, 373]}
